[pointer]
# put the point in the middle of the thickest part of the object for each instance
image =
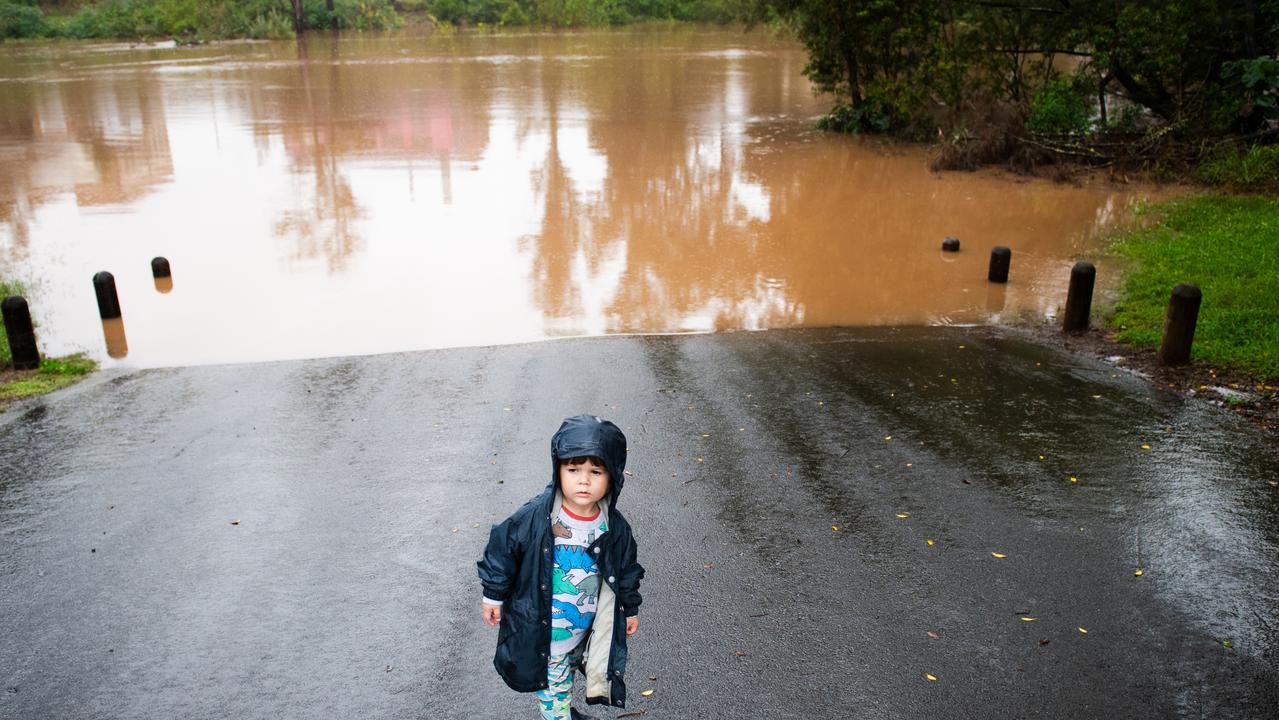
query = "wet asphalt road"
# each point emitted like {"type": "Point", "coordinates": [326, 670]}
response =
{"type": "Point", "coordinates": [363, 490]}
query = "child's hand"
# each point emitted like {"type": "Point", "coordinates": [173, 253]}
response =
{"type": "Point", "coordinates": [632, 625]}
{"type": "Point", "coordinates": [493, 613]}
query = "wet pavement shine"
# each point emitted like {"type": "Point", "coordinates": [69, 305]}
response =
{"type": "Point", "coordinates": [829, 518]}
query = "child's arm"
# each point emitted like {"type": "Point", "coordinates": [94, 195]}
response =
{"type": "Point", "coordinates": [628, 582]}
{"type": "Point", "coordinates": [497, 570]}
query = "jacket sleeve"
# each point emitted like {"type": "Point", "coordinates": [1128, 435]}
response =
{"type": "Point", "coordinates": [628, 580]}
{"type": "Point", "coordinates": [499, 566]}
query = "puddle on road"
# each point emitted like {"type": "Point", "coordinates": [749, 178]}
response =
{"type": "Point", "coordinates": [397, 192]}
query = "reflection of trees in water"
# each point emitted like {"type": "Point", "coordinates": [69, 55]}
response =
{"type": "Point", "coordinates": [106, 139]}
{"type": "Point", "coordinates": [675, 203]}
{"type": "Point", "coordinates": [328, 110]}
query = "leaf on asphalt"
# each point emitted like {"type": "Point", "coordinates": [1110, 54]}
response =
{"type": "Point", "coordinates": [834, 528]}
{"type": "Point", "coordinates": [910, 464]}
{"type": "Point", "coordinates": [740, 653]}
{"type": "Point", "coordinates": [1139, 572]}
{"type": "Point", "coordinates": [929, 541]}
{"type": "Point", "coordinates": [1227, 643]}
{"type": "Point", "coordinates": [888, 437]}
{"type": "Point", "coordinates": [1041, 457]}
{"type": "Point", "coordinates": [1083, 631]}
{"type": "Point", "coordinates": [454, 530]}
{"type": "Point", "coordinates": [1273, 483]}
{"type": "Point", "coordinates": [931, 677]}
{"type": "Point", "coordinates": [626, 473]}
{"type": "Point", "coordinates": [1144, 446]}
{"type": "Point", "coordinates": [1001, 556]}
{"type": "Point", "coordinates": [699, 460]}
{"type": "Point", "coordinates": [1096, 397]}
{"type": "Point", "coordinates": [646, 693]}
{"type": "Point", "coordinates": [934, 635]}
{"type": "Point", "coordinates": [652, 678]}
{"type": "Point", "coordinates": [235, 522]}
{"type": "Point", "coordinates": [706, 434]}
{"type": "Point", "coordinates": [903, 515]}
{"type": "Point", "coordinates": [961, 347]}
{"type": "Point", "coordinates": [1074, 479]}
{"type": "Point", "coordinates": [1044, 641]}
{"type": "Point", "coordinates": [709, 566]}
{"type": "Point", "coordinates": [1027, 618]}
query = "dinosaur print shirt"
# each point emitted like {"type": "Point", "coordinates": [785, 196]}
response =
{"type": "Point", "coordinates": [576, 579]}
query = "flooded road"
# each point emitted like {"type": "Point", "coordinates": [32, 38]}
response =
{"type": "Point", "coordinates": [398, 192]}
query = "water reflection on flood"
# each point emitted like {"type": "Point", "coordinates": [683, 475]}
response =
{"type": "Point", "coordinates": [419, 191]}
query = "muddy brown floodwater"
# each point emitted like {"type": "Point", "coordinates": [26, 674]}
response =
{"type": "Point", "coordinates": [369, 194]}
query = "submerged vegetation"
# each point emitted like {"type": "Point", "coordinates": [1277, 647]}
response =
{"type": "Point", "coordinates": [1154, 83]}
{"type": "Point", "coordinates": [1226, 246]}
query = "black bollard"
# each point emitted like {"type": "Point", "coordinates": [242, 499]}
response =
{"type": "Point", "coordinates": [950, 244]}
{"type": "Point", "coordinates": [1179, 329]}
{"type": "Point", "coordinates": [108, 300]}
{"type": "Point", "coordinates": [1000, 258]}
{"type": "Point", "coordinates": [160, 268]}
{"type": "Point", "coordinates": [1079, 297]}
{"type": "Point", "coordinates": [21, 333]}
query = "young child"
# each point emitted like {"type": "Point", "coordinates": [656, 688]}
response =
{"type": "Point", "coordinates": [561, 578]}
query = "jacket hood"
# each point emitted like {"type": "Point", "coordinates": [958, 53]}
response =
{"type": "Point", "coordinates": [583, 435]}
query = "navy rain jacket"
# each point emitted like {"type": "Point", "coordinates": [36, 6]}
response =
{"type": "Point", "coordinates": [516, 569]}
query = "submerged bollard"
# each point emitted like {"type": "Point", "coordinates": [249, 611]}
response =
{"type": "Point", "coordinates": [950, 244]}
{"type": "Point", "coordinates": [108, 300]}
{"type": "Point", "coordinates": [21, 333]}
{"type": "Point", "coordinates": [160, 268]}
{"type": "Point", "coordinates": [1179, 329]}
{"type": "Point", "coordinates": [1000, 259]}
{"type": "Point", "coordinates": [1079, 297]}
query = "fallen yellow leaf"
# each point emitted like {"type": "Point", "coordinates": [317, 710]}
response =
{"type": "Point", "coordinates": [1145, 447]}
{"type": "Point", "coordinates": [835, 528]}
{"type": "Point", "coordinates": [1001, 556]}
{"type": "Point", "coordinates": [1074, 479]}
{"type": "Point", "coordinates": [699, 460]}
{"type": "Point", "coordinates": [1083, 631]}
{"type": "Point", "coordinates": [888, 437]}
{"type": "Point", "coordinates": [1139, 572]}
{"type": "Point", "coordinates": [929, 541]}
{"type": "Point", "coordinates": [910, 464]}
{"type": "Point", "coordinates": [1041, 457]}
{"type": "Point", "coordinates": [1028, 619]}
{"type": "Point", "coordinates": [903, 515]}
{"type": "Point", "coordinates": [931, 677]}
{"type": "Point", "coordinates": [646, 693]}
{"type": "Point", "coordinates": [1096, 397]}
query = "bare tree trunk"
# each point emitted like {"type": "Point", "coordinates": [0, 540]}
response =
{"type": "Point", "coordinates": [298, 18]}
{"type": "Point", "coordinates": [333, 18]}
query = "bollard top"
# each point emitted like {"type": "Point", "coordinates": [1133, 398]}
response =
{"type": "Point", "coordinates": [1001, 250]}
{"type": "Point", "coordinates": [1083, 266]}
{"type": "Point", "coordinates": [103, 276]}
{"type": "Point", "coordinates": [1186, 291]}
{"type": "Point", "coordinates": [14, 302]}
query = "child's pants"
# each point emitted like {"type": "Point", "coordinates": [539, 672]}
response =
{"type": "Point", "coordinates": [559, 691]}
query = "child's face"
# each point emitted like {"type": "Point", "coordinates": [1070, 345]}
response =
{"type": "Point", "coordinates": [583, 485]}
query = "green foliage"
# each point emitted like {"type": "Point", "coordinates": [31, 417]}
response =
{"type": "Point", "coordinates": [571, 13]}
{"type": "Point", "coordinates": [847, 119]}
{"type": "Point", "coordinates": [1191, 65]}
{"type": "Point", "coordinates": [1059, 108]}
{"type": "Point", "coordinates": [77, 364]}
{"type": "Point", "coordinates": [1255, 170]}
{"type": "Point", "coordinates": [1255, 83]}
{"type": "Point", "coordinates": [1227, 247]}
{"type": "Point", "coordinates": [19, 20]}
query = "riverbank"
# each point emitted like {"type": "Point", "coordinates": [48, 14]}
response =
{"type": "Point", "coordinates": [1225, 245]}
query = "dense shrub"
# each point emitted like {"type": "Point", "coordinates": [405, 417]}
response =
{"type": "Point", "coordinates": [19, 20]}
{"type": "Point", "coordinates": [1059, 108]}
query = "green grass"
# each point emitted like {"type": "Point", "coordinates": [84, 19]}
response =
{"type": "Point", "coordinates": [1256, 170]}
{"type": "Point", "coordinates": [1229, 248]}
{"type": "Point", "coordinates": [53, 373]}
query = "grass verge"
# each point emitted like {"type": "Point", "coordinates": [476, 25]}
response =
{"type": "Point", "coordinates": [53, 373]}
{"type": "Point", "coordinates": [1229, 247]}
